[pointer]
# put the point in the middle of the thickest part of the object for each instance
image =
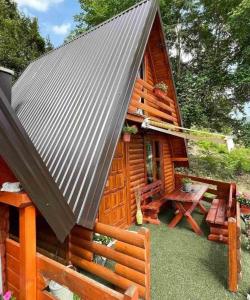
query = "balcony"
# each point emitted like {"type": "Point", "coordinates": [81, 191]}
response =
{"type": "Point", "coordinates": [144, 104]}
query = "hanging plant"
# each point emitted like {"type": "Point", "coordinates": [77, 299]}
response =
{"type": "Point", "coordinates": [161, 89]}
{"type": "Point", "coordinates": [127, 131]}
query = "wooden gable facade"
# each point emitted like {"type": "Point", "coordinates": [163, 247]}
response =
{"type": "Point", "coordinates": [129, 170]}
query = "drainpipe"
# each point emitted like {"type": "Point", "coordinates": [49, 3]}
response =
{"type": "Point", "coordinates": [6, 82]}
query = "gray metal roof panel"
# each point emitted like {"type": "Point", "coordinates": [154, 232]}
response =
{"type": "Point", "coordinates": [73, 101]}
{"type": "Point", "coordinates": [19, 153]}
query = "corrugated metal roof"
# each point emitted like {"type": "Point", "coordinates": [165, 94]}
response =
{"type": "Point", "coordinates": [73, 101]}
{"type": "Point", "coordinates": [19, 153]}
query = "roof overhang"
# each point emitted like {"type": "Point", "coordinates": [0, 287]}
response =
{"type": "Point", "coordinates": [189, 134]}
{"type": "Point", "coordinates": [23, 159]}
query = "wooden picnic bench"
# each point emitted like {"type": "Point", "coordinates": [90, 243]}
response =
{"type": "Point", "coordinates": [217, 218]}
{"type": "Point", "coordinates": [152, 199]}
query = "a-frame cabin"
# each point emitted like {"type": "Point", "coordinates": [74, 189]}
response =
{"type": "Point", "coordinates": [61, 137]}
{"type": "Point", "coordinates": [150, 155]}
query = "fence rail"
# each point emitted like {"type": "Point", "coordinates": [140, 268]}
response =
{"type": "Point", "coordinates": [130, 254]}
{"type": "Point", "coordinates": [48, 269]}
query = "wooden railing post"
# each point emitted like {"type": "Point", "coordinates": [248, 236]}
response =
{"type": "Point", "coordinates": [232, 255]}
{"type": "Point", "coordinates": [27, 236]}
{"type": "Point", "coordinates": [146, 233]}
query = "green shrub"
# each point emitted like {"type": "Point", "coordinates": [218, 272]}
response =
{"type": "Point", "coordinates": [213, 160]}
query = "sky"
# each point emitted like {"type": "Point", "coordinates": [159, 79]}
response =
{"type": "Point", "coordinates": [55, 17]}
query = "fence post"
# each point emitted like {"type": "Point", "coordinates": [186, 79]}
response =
{"type": "Point", "coordinates": [232, 255]}
{"type": "Point", "coordinates": [146, 233]}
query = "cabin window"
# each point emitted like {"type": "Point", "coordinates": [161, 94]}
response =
{"type": "Point", "coordinates": [153, 160]}
{"type": "Point", "coordinates": [141, 75]}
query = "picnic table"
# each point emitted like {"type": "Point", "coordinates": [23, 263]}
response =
{"type": "Point", "coordinates": [185, 203]}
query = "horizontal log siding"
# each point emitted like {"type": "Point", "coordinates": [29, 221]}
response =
{"type": "Point", "coordinates": [13, 269]}
{"type": "Point", "coordinates": [168, 168]}
{"type": "Point", "coordinates": [136, 170]}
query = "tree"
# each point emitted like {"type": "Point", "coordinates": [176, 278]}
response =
{"type": "Point", "coordinates": [20, 38]}
{"type": "Point", "coordinates": [210, 53]}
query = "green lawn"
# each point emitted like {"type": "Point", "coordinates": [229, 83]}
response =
{"type": "Point", "coordinates": [187, 266]}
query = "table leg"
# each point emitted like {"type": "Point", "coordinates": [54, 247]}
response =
{"type": "Point", "coordinates": [202, 208]}
{"type": "Point", "coordinates": [176, 220]}
{"type": "Point", "coordinates": [193, 224]}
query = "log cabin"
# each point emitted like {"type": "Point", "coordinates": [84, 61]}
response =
{"type": "Point", "coordinates": [61, 137]}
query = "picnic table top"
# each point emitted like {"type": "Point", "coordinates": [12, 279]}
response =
{"type": "Point", "coordinates": [198, 190]}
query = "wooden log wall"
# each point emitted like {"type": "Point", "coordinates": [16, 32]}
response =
{"type": "Point", "coordinates": [169, 179]}
{"type": "Point", "coordinates": [136, 170]}
{"type": "Point", "coordinates": [131, 255]}
{"type": "Point", "coordinates": [81, 285]}
{"type": "Point", "coordinates": [13, 267]}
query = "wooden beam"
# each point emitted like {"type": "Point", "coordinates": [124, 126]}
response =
{"type": "Point", "coordinates": [15, 199]}
{"type": "Point", "coordinates": [179, 159]}
{"type": "Point", "coordinates": [27, 235]}
{"type": "Point", "coordinates": [76, 282]}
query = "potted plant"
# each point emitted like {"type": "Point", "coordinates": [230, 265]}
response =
{"type": "Point", "coordinates": [160, 89]}
{"type": "Point", "coordinates": [127, 131]}
{"type": "Point", "coordinates": [187, 184]}
{"type": "Point", "coordinates": [103, 240]}
{"type": "Point", "coordinates": [244, 201]}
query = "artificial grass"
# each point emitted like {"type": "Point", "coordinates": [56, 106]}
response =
{"type": "Point", "coordinates": [187, 266]}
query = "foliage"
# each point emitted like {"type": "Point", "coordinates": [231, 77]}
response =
{"type": "Point", "coordinates": [7, 296]}
{"type": "Point", "coordinates": [21, 41]}
{"type": "Point", "coordinates": [209, 47]}
{"type": "Point", "coordinates": [103, 239]}
{"type": "Point", "coordinates": [186, 180]}
{"type": "Point", "coordinates": [213, 160]}
{"type": "Point", "coordinates": [161, 86]}
{"type": "Point", "coordinates": [243, 134]}
{"type": "Point", "coordinates": [130, 129]}
{"type": "Point", "coordinates": [243, 199]}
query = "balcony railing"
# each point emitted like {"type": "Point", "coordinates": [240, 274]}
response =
{"type": "Point", "coordinates": [145, 103]}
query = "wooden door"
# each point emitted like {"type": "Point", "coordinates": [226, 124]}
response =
{"type": "Point", "coordinates": [114, 205]}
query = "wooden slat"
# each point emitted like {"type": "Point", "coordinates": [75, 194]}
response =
{"type": "Point", "coordinates": [221, 212]}
{"type": "Point", "coordinates": [212, 211]}
{"type": "Point", "coordinates": [109, 253]}
{"type": "Point", "coordinates": [106, 274]}
{"type": "Point", "coordinates": [76, 282]}
{"type": "Point", "coordinates": [130, 250]}
{"type": "Point", "coordinates": [153, 99]}
{"type": "Point", "coordinates": [130, 274]}
{"type": "Point", "coordinates": [152, 110]}
{"type": "Point", "coordinates": [130, 237]}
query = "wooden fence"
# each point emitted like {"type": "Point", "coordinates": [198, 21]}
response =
{"type": "Point", "coordinates": [47, 268]}
{"type": "Point", "coordinates": [130, 254]}
{"type": "Point", "coordinates": [234, 251]}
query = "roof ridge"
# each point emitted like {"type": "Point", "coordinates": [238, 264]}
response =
{"type": "Point", "coordinates": [94, 28]}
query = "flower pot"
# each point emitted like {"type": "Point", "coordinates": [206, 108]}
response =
{"type": "Point", "coordinates": [126, 137]}
{"type": "Point", "coordinates": [59, 291]}
{"type": "Point", "coordinates": [245, 210]}
{"type": "Point", "coordinates": [159, 93]}
{"type": "Point", "coordinates": [101, 260]}
{"type": "Point", "coordinates": [187, 187]}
